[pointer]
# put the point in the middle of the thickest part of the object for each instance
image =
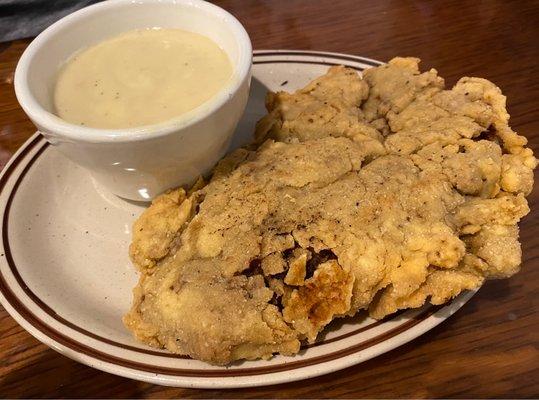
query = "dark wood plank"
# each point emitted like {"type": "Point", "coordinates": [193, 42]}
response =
{"type": "Point", "coordinates": [490, 347]}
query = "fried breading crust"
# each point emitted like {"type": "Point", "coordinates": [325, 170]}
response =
{"type": "Point", "coordinates": [328, 106]}
{"type": "Point", "coordinates": [375, 194]}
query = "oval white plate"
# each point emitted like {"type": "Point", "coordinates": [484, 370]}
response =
{"type": "Point", "coordinates": [66, 278]}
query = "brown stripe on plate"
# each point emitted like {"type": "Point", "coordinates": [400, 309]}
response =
{"type": "Point", "coordinates": [203, 373]}
{"type": "Point", "coordinates": [49, 311]}
{"type": "Point", "coordinates": [13, 267]}
{"type": "Point", "coordinates": [329, 64]}
{"type": "Point", "coordinates": [89, 351]}
{"type": "Point", "coordinates": [354, 332]}
{"type": "Point", "coordinates": [269, 53]}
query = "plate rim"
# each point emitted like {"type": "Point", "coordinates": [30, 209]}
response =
{"type": "Point", "coordinates": [436, 314]}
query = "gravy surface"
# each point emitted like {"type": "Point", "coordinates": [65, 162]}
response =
{"type": "Point", "coordinates": [140, 78]}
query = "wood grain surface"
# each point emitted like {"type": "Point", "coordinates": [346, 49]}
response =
{"type": "Point", "coordinates": [487, 349]}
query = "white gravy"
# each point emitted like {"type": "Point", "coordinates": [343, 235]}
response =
{"type": "Point", "coordinates": [139, 78]}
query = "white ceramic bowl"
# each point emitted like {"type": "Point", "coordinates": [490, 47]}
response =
{"type": "Point", "coordinates": [138, 163]}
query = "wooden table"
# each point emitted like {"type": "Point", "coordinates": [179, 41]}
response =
{"type": "Point", "coordinates": [490, 347]}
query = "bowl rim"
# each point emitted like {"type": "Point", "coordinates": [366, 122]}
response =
{"type": "Point", "coordinates": [57, 127]}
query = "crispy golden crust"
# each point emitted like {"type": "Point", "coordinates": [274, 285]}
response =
{"type": "Point", "coordinates": [329, 217]}
{"type": "Point", "coordinates": [157, 229]}
{"type": "Point", "coordinates": [324, 296]}
{"type": "Point", "coordinates": [327, 106]}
